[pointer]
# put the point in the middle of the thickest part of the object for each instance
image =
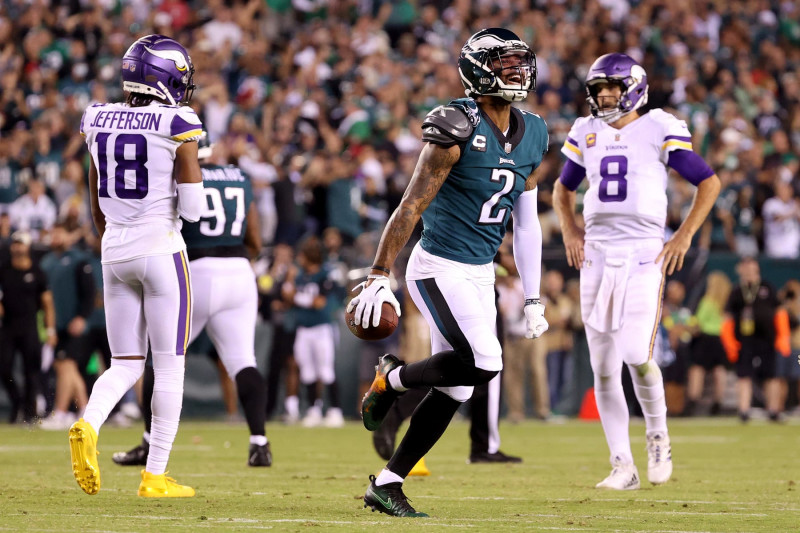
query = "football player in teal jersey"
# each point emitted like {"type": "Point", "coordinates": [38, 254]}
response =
{"type": "Point", "coordinates": [220, 246]}
{"type": "Point", "coordinates": [477, 166]}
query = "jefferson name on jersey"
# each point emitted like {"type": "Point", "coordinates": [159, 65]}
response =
{"type": "Point", "coordinates": [467, 219]}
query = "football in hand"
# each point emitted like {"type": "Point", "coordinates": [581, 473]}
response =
{"type": "Point", "coordinates": [386, 327]}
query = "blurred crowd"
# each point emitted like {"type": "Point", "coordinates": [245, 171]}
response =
{"type": "Point", "coordinates": [321, 103]}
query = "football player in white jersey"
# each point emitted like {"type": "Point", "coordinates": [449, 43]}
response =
{"type": "Point", "coordinates": [144, 177]}
{"type": "Point", "coordinates": [621, 253]}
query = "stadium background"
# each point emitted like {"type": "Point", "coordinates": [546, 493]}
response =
{"type": "Point", "coordinates": [321, 103]}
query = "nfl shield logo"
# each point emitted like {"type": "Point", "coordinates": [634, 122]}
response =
{"type": "Point", "coordinates": [508, 148]}
{"type": "Point", "coordinates": [616, 137]}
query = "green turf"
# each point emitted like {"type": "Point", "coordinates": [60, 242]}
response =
{"type": "Point", "coordinates": [728, 477]}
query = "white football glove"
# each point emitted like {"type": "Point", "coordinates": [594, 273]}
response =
{"type": "Point", "coordinates": [370, 300]}
{"type": "Point", "coordinates": [536, 325]}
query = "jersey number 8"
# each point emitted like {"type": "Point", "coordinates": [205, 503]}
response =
{"type": "Point", "coordinates": [613, 186]}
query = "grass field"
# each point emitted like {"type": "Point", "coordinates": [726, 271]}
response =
{"type": "Point", "coordinates": [728, 477]}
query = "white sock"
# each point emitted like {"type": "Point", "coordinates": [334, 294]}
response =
{"type": "Point", "coordinates": [649, 387]}
{"type": "Point", "coordinates": [146, 437]}
{"type": "Point", "coordinates": [394, 380]}
{"type": "Point", "coordinates": [258, 440]}
{"type": "Point", "coordinates": [166, 404]}
{"type": "Point", "coordinates": [387, 476]}
{"type": "Point", "coordinates": [109, 388]}
{"type": "Point", "coordinates": [292, 406]}
{"type": "Point", "coordinates": [614, 415]}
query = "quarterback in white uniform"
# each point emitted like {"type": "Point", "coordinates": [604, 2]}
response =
{"type": "Point", "coordinates": [621, 254]}
{"type": "Point", "coordinates": [144, 176]}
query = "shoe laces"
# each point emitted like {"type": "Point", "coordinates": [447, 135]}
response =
{"type": "Point", "coordinates": [655, 447]}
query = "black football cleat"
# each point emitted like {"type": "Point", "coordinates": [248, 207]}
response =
{"type": "Point", "coordinates": [259, 455]}
{"type": "Point", "coordinates": [496, 457]}
{"type": "Point", "coordinates": [380, 396]}
{"type": "Point", "coordinates": [389, 499]}
{"type": "Point", "coordinates": [134, 457]}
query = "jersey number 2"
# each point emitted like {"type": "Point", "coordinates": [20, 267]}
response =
{"type": "Point", "coordinates": [488, 214]}
{"type": "Point", "coordinates": [613, 186]}
{"type": "Point", "coordinates": [217, 212]}
{"type": "Point", "coordinates": [130, 156]}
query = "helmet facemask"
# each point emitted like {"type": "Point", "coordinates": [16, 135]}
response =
{"type": "Point", "coordinates": [492, 55]}
{"type": "Point", "coordinates": [518, 66]}
{"type": "Point", "coordinates": [633, 95]}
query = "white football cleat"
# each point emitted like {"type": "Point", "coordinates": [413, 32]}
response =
{"type": "Point", "coordinates": [313, 417]}
{"type": "Point", "coordinates": [659, 458]}
{"type": "Point", "coordinates": [624, 476]}
{"type": "Point", "coordinates": [334, 418]}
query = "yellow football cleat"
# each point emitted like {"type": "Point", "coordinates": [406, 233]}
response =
{"type": "Point", "coordinates": [161, 486]}
{"type": "Point", "coordinates": [420, 469]}
{"type": "Point", "coordinates": [83, 452]}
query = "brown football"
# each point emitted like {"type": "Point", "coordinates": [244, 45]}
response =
{"type": "Point", "coordinates": [386, 327]}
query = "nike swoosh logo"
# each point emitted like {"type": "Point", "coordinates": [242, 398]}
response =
{"type": "Point", "coordinates": [387, 503]}
{"type": "Point", "coordinates": [380, 289]}
{"type": "Point", "coordinates": [644, 262]}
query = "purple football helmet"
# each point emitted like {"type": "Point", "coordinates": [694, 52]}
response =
{"type": "Point", "coordinates": [623, 70]}
{"type": "Point", "coordinates": [158, 66]}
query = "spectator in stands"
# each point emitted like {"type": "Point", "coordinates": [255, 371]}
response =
{"type": "Point", "coordinates": [781, 215]}
{"type": "Point", "coordinates": [33, 212]}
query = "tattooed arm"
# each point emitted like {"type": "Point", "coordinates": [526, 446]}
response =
{"type": "Point", "coordinates": [432, 169]}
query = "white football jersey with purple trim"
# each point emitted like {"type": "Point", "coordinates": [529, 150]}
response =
{"type": "Point", "coordinates": [133, 149]}
{"type": "Point", "coordinates": [627, 173]}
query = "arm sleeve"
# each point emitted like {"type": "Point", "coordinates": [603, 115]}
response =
{"type": "Point", "coordinates": [572, 175]}
{"type": "Point", "coordinates": [528, 242]}
{"type": "Point", "coordinates": [86, 289]}
{"type": "Point", "coordinates": [191, 201]}
{"type": "Point", "coordinates": [185, 125]}
{"type": "Point", "coordinates": [689, 165]}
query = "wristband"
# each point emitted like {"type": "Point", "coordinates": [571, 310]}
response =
{"type": "Point", "coordinates": [382, 269]}
{"type": "Point", "coordinates": [532, 301]}
{"type": "Point", "coordinates": [50, 331]}
{"type": "Point", "coordinates": [376, 276]}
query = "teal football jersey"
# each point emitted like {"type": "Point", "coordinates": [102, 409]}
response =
{"type": "Point", "coordinates": [319, 283]}
{"type": "Point", "coordinates": [223, 223]}
{"type": "Point", "coordinates": [467, 219]}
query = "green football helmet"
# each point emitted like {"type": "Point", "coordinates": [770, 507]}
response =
{"type": "Point", "coordinates": [486, 55]}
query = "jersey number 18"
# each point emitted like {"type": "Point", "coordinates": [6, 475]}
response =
{"type": "Point", "coordinates": [130, 155]}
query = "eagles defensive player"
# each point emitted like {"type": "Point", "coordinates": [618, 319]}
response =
{"type": "Point", "coordinates": [225, 297]}
{"type": "Point", "coordinates": [477, 166]}
{"type": "Point", "coordinates": [622, 255]}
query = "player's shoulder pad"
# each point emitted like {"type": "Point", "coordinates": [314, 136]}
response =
{"type": "Point", "coordinates": [185, 125]}
{"type": "Point", "coordinates": [582, 122]}
{"type": "Point", "coordinates": [452, 123]}
{"type": "Point", "coordinates": [662, 117]}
